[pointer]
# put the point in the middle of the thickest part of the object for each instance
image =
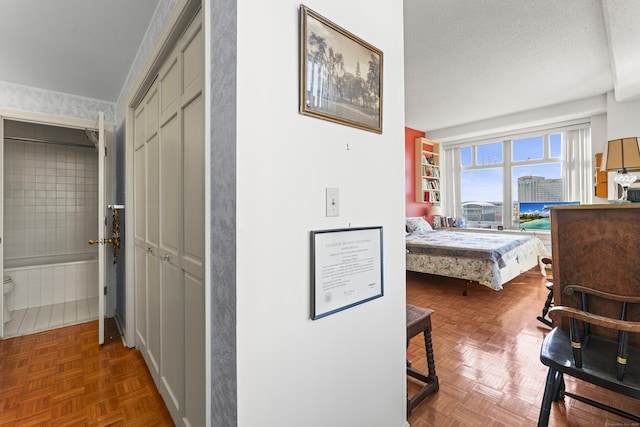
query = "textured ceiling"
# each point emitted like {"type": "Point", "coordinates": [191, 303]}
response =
{"type": "Point", "coordinates": [80, 47]}
{"type": "Point", "coordinates": [472, 60]}
{"type": "Point", "coordinates": [465, 60]}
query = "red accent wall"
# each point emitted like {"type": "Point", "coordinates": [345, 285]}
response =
{"type": "Point", "coordinates": [413, 208]}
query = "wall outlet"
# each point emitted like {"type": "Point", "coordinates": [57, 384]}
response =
{"type": "Point", "coordinates": [333, 202]}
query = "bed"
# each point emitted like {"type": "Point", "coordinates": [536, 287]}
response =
{"type": "Point", "coordinates": [490, 259]}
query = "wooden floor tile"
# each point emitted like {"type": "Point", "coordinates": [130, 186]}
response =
{"type": "Point", "coordinates": [486, 348]}
{"type": "Point", "coordinates": [63, 377]}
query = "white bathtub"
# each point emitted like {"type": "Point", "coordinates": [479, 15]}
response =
{"type": "Point", "coordinates": [51, 280]}
{"type": "Point", "coordinates": [15, 263]}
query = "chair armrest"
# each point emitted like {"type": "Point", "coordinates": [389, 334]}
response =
{"type": "Point", "coordinates": [570, 289]}
{"type": "Point", "coordinates": [594, 319]}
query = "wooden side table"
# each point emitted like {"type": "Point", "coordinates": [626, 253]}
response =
{"type": "Point", "coordinates": [419, 320]}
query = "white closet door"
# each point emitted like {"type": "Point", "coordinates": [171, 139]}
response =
{"type": "Point", "coordinates": [153, 232]}
{"type": "Point", "coordinates": [172, 311]}
{"type": "Point", "coordinates": [146, 230]}
{"type": "Point", "coordinates": [193, 210]}
{"type": "Point", "coordinates": [139, 235]}
{"type": "Point", "coordinates": [169, 229]}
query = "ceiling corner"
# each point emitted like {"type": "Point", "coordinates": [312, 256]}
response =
{"type": "Point", "coordinates": [623, 38]}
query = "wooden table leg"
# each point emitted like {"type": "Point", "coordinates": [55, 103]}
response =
{"type": "Point", "coordinates": [419, 319]}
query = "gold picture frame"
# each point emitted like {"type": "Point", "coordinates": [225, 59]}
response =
{"type": "Point", "coordinates": [340, 74]}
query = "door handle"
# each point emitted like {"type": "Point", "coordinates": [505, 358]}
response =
{"type": "Point", "coordinates": [113, 240]}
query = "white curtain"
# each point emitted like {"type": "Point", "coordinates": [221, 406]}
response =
{"type": "Point", "coordinates": [450, 184]}
{"type": "Point", "coordinates": [579, 169]}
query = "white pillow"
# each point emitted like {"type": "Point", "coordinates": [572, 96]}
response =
{"type": "Point", "coordinates": [417, 225]}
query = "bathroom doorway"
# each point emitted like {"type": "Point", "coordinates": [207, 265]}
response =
{"type": "Point", "coordinates": [51, 201]}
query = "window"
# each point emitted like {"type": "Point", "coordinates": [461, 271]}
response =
{"type": "Point", "coordinates": [511, 182]}
{"type": "Point", "coordinates": [481, 184]}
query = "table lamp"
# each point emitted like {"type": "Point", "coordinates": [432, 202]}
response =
{"type": "Point", "coordinates": [436, 212]}
{"type": "Point", "coordinates": [622, 154]}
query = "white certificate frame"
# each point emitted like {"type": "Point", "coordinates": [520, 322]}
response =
{"type": "Point", "coordinates": [346, 269]}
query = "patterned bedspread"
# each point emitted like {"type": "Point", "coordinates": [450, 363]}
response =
{"type": "Point", "coordinates": [465, 245]}
{"type": "Point", "coordinates": [472, 256]}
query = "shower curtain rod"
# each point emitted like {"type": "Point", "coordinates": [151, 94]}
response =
{"type": "Point", "coordinates": [42, 141]}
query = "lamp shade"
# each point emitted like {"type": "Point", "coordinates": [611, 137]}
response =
{"type": "Point", "coordinates": [621, 154]}
{"type": "Point", "coordinates": [435, 210]}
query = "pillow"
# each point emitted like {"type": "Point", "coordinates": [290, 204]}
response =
{"type": "Point", "coordinates": [417, 225]}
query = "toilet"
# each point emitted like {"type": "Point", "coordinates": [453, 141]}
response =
{"type": "Point", "coordinates": [7, 287]}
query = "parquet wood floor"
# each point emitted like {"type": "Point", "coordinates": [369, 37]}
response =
{"type": "Point", "coordinates": [486, 348]}
{"type": "Point", "coordinates": [63, 377]}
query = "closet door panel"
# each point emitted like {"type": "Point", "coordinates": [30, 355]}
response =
{"type": "Point", "coordinates": [153, 196]}
{"type": "Point", "coordinates": [194, 348]}
{"type": "Point", "coordinates": [140, 126]}
{"type": "Point", "coordinates": [153, 111]}
{"type": "Point", "coordinates": [170, 186]}
{"type": "Point", "coordinates": [193, 185]}
{"type": "Point", "coordinates": [169, 87]}
{"type": "Point", "coordinates": [153, 317]}
{"type": "Point", "coordinates": [139, 190]}
{"type": "Point", "coordinates": [193, 60]}
{"type": "Point", "coordinates": [141, 297]}
{"type": "Point", "coordinates": [139, 181]}
{"type": "Point", "coordinates": [171, 368]}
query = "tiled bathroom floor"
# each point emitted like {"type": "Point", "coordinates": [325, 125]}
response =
{"type": "Point", "coordinates": [46, 317]}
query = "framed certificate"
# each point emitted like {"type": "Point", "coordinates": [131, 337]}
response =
{"type": "Point", "coordinates": [346, 269]}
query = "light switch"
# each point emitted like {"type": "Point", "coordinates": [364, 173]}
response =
{"type": "Point", "coordinates": [333, 202]}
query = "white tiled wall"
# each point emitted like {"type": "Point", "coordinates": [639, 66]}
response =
{"type": "Point", "coordinates": [50, 199]}
{"type": "Point", "coordinates": [52, 284]}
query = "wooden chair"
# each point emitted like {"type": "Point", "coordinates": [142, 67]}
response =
{"type": "Point", "coordinates": [549, 302]}
{"type": "Point", "coordinates": [589, 350]}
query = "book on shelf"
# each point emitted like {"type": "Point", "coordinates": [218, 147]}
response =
{"type": "Point", "coordinates": [427, 160]}
{"type": "Point", "coordinates": [431, 171]}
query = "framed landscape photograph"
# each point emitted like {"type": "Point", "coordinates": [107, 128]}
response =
{"type": "Point", "coordinates": [340, 74]}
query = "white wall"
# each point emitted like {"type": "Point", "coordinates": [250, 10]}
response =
{"type": "Point", "coordinates": [622, 122]}
{"type": "Point", "coordinates": [50, 199]}
{"type": "Point", "coordinates": [573, 110]}
{"type": "Point", "coordinates": [598, 139]}
{"type": "Point", "coordinates": [622, 118]}
{"type": "Point", "coordinates": [146, 49]}
{"type": "Point", "coordinates": [35, 100]}
{"type": "Point", "coordinates": [347, 369]}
